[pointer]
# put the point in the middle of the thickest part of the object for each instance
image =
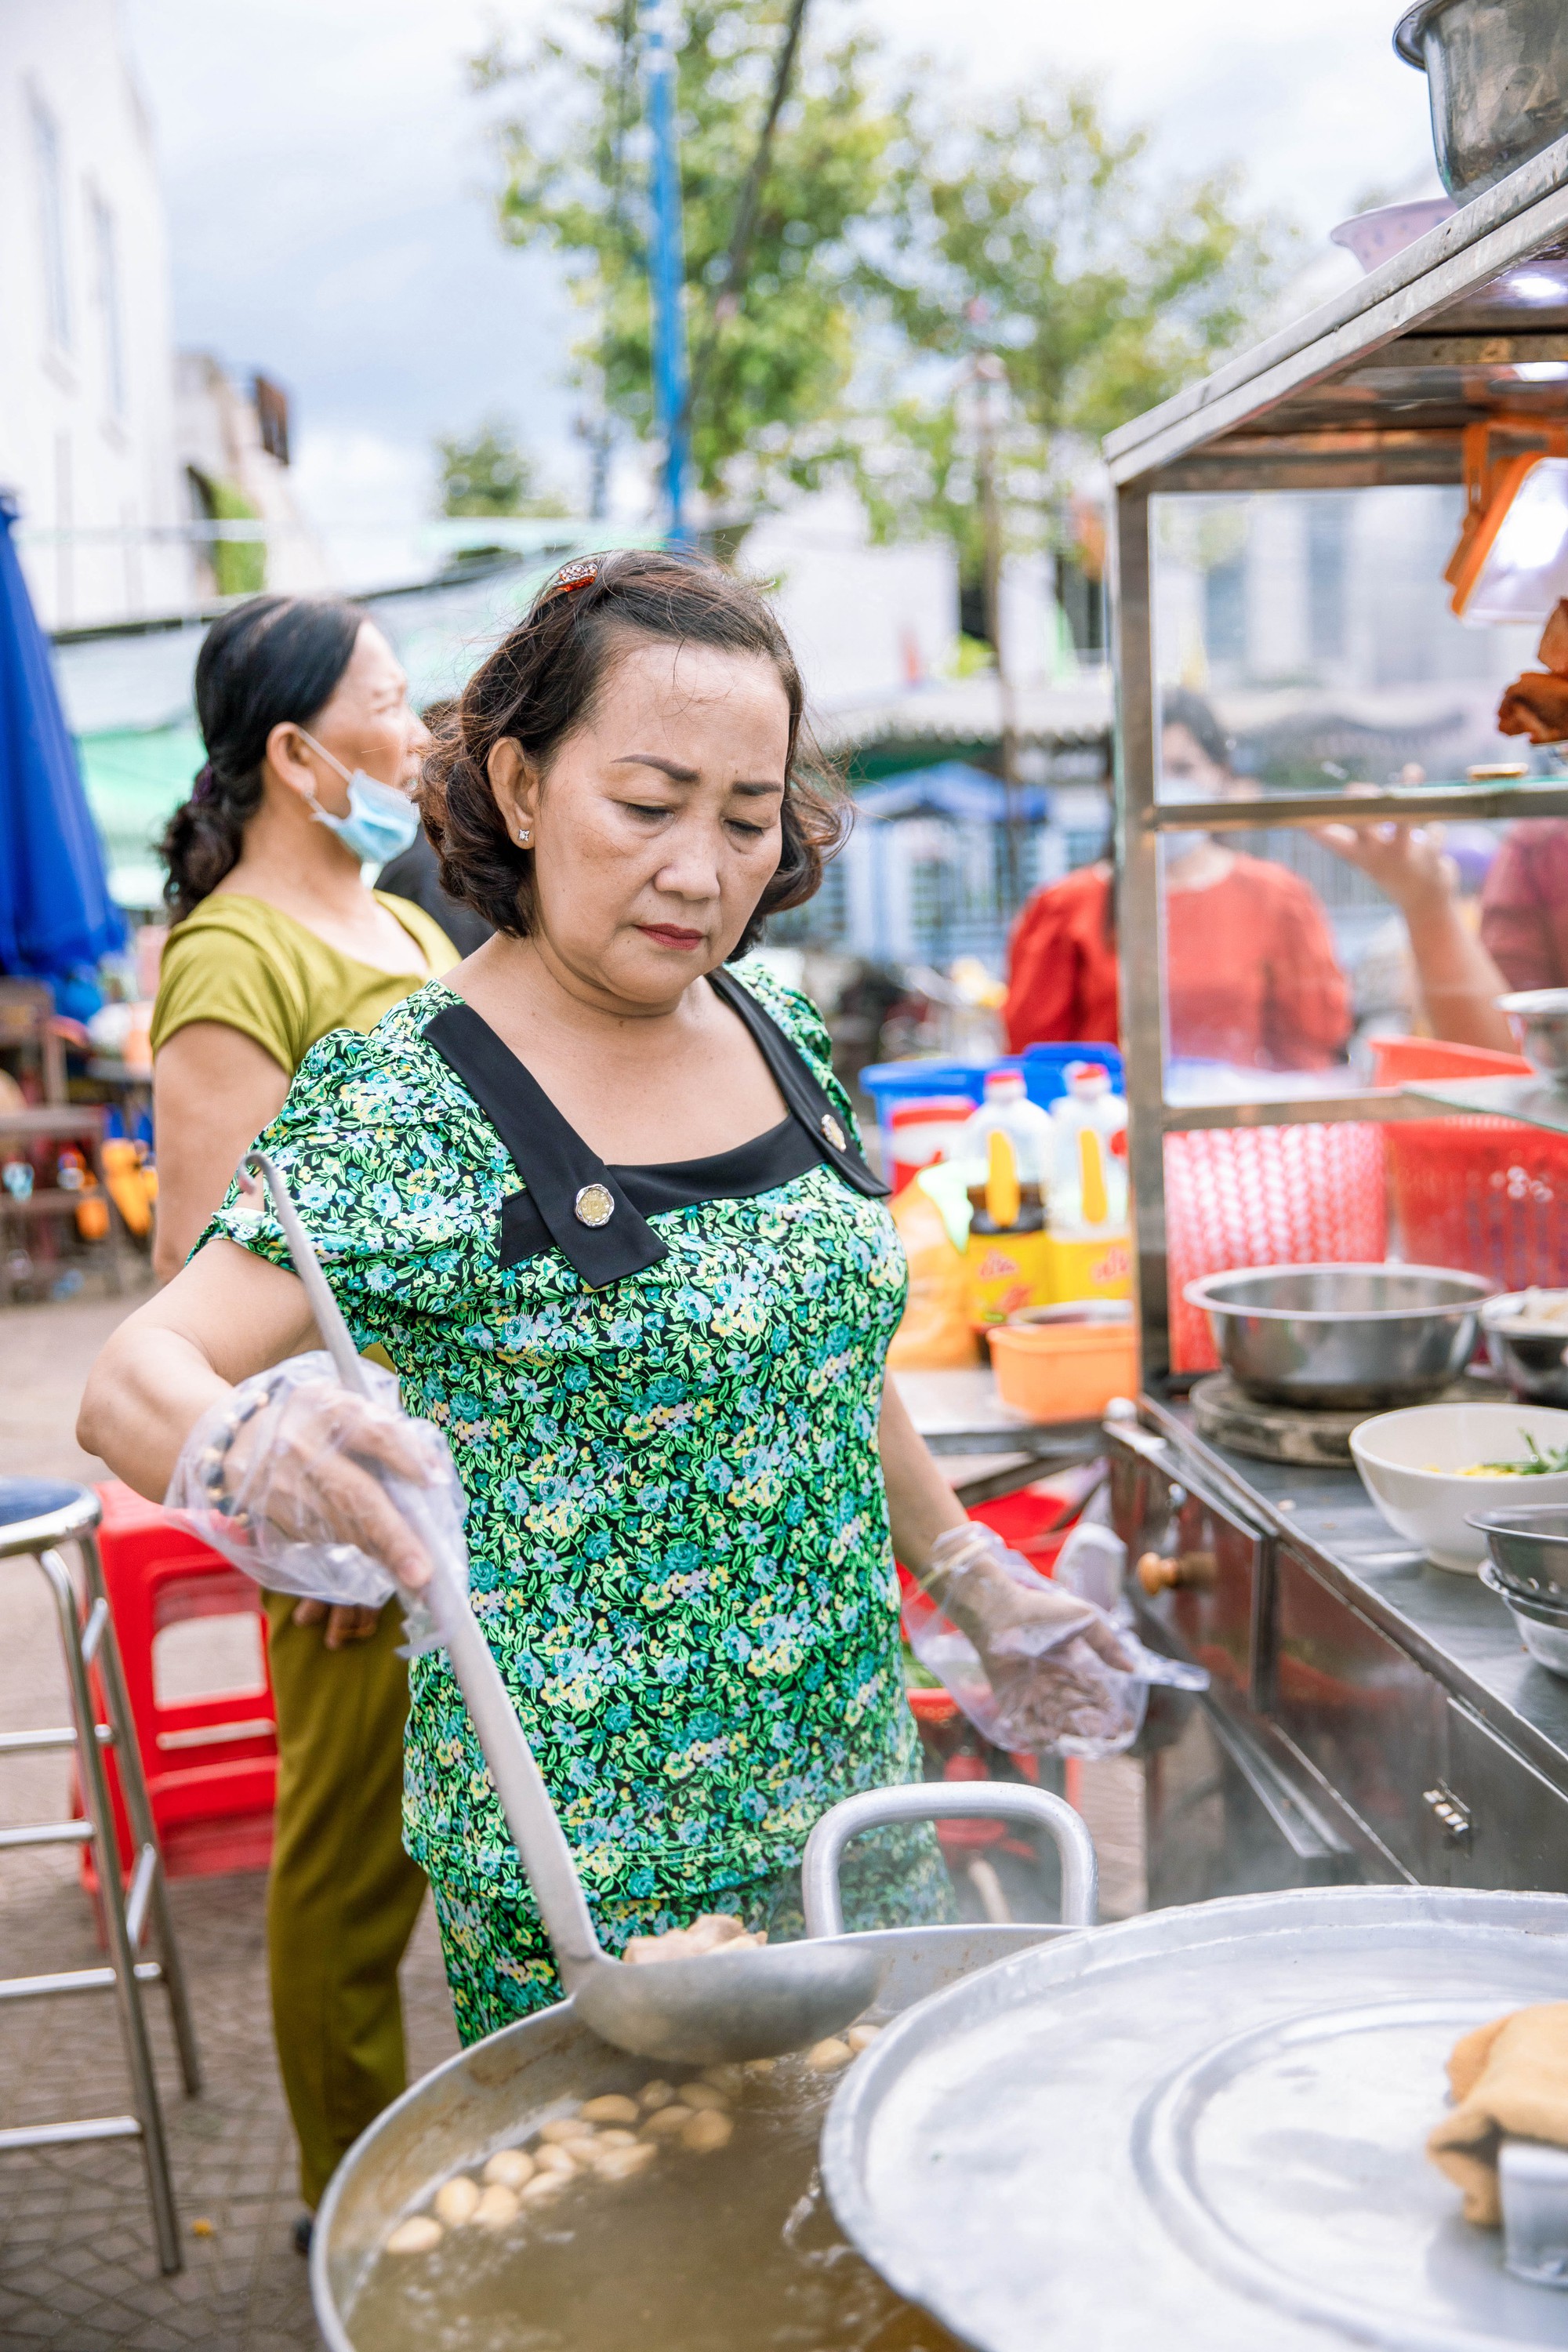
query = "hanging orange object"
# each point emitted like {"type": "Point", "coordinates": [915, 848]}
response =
{"type": "Point", "coordinates": [131, 1182]}
{"type": "Point", "coordinates": [1491, 485]}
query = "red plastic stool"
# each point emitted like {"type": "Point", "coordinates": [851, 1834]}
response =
{"type": "Point", "coordinates": [211, 1762]}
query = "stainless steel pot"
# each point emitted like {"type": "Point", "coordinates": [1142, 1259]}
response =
{"type": "Point", "coordinates": [1344, 1337]}
{"type": "Point", "coordinates": [491, 2096]}
{"type": "Point", "coordinates": [1497, 74]}
{"type": "Point", "coordinates": [1541, 1018]}
{"type": "Point", "coordinates": [1531, 1357]}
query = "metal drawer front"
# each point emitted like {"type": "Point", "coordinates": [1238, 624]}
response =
{"type": "Point", "coordinates": [1368, 1718]}
{"type": "Point", "coordinates": [1207, 1567]}
{"type": "Point", "coordinates": [1496, 1822]}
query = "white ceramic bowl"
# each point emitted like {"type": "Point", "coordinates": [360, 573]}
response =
{"type": "Point", "coordinates": [1395, 1451]}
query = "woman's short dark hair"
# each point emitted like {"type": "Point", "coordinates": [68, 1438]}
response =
{"type": "Point", "coordinates": [270, 662]}
{"type": "Point", "coordinates": [542, 683]}
{"type": "Point", "coordinates": [1179, 706]}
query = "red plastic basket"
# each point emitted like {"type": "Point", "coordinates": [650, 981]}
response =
{"type": "Point", "coordinates": [1487, 1195]}
{"type": "Point", "coordinates": [1266, 1196]}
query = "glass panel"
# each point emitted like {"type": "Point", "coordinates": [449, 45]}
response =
{"type": "Point", "coordinates": [1304, 643]}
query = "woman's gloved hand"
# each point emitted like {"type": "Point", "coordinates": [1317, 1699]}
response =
{"type": "Point", "coordinates": [296, 1481]}
{"type": "Point", "coordinates": [1047, 1667]}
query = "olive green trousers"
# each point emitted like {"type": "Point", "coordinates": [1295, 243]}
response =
{"type": "Point", "coordinates": [343, 1896]}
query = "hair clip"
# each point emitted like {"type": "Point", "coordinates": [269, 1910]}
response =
{"type": "Point", "coordinates": [580, 573]}
{"type": "Point", "coordinates": [204, 783]}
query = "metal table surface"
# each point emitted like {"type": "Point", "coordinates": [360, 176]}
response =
{"type": "Point", "coordinates": [1450, 1623]}
{"type": "Point", "coordinates": [988, 1448]}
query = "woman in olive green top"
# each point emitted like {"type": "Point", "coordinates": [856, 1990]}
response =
{"type": "Point", "coordinates": [311, 746]}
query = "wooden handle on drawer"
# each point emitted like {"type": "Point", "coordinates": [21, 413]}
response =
{"type": "Point", "coordinates": [1193, 1572]}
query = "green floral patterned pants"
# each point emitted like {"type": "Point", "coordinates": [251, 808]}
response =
{"type": "Point", "coordinates": [498, 1964]}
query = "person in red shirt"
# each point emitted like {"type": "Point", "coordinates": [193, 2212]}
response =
{"type": "Point", "coordinates": [1524, 904]}
{"type": "Point", "coordinates": [1251, 978]}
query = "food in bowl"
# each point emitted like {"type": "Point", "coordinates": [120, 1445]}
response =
{"type": "Point", "coordinates": [1531, 1464]}
{"type": "Point", "coordinates": [1528, 1310]}
{"type": "Point", "coordinates": [1402, 1456]}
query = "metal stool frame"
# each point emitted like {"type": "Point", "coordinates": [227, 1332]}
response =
{"type": "Point", "coordinates": [87, 1639]}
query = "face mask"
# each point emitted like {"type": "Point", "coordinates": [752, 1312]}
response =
{"type": "Point", "coordinates": [380, 823]}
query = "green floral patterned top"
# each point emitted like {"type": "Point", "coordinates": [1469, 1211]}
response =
{"type": "Point", "coordinates": [677, 1523]}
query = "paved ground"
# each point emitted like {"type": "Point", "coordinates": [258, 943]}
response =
{"type": "Point", "coordinates": [76, 2266]}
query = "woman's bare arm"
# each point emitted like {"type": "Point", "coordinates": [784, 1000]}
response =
{"type": "Point", "coordinates": [228, 1315]}
{"type": "Point", "coordinates": [921, 1506]}
{"type": "Point", "coordinates": [213, 1090]}
{"type": "Point", "coordinates": [1459, 982]}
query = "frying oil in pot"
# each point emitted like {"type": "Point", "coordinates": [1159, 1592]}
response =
{"type": "Point", "coordinates": [718, 2242]}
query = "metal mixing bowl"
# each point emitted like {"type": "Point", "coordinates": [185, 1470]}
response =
{"type": "Point", "coordinates": [1541, 1015]}
{"type": "Point", "coordinates": [1496, 73]}
{"type": "Point", "coordinates": [1342, 1336]}
{"type": "Point", "coordinates": [1531, 1357]}
{"type": "Point", "coordinates": [1529, 1545]}
{"type": "Point", "coordinates": [1543, 1629]}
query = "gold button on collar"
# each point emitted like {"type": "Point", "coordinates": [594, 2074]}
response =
{"type": "Point", "coordinates": [595, 1205]}
{"type": "Point", "coordinates": [833, 1131]}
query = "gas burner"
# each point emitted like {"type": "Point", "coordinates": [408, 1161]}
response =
{"type": "Point", "coordinates": [1225, 1415]}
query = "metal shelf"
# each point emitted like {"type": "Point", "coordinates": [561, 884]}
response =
{"type": "Point", "coordinates": [1476, 802]}
{"type": "Point", "coordinates": [1534, 1102]}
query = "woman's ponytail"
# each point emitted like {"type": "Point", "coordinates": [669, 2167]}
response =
{"type": "Point", "coordinates": [269, 663]}
{"type": "Point", "coordinates": [204, 836]}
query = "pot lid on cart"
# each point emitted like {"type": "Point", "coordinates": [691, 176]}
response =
{"type": "Point", "coordinates": [1205, 2127]}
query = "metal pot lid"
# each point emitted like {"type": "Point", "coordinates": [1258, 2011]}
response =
{"type": "Point", "coordinates": [1202, 2126]}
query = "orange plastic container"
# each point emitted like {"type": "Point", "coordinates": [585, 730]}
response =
{"type": "Point", "coordinates": [1064, 1372]}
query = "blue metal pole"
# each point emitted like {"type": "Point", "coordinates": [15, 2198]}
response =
{"type": "Point", "coordinates": [667, 270]}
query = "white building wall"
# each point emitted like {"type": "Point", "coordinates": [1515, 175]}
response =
{"type": "Point", "coordinates": [85, 360]}
{"type": "Point", "coordinates": [863, 620]}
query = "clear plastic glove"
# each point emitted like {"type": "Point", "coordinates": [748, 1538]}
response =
{"type": "Point", "coordinates": [1035, 1669]}
{"type": "Point", "coordinates": [313, 1491]}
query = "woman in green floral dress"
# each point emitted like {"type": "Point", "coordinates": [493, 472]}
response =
{"type": "Point", "coordinates": [599, 1200]}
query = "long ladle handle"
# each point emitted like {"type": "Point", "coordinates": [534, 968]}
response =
{"type": "Point", "coordinates": [525, 1800]}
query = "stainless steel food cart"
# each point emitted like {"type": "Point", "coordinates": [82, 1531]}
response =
{"type": "Point", "coordinates": [1370, 1715]}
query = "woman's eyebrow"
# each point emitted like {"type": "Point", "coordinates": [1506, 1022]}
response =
{"type": "Point", "coordinates": [670, 768]}
{"type": "Point", "coordinates": [679, 775]}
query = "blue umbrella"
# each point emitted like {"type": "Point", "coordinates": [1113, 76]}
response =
{"type": "Point", "coordinates": [56, 912]}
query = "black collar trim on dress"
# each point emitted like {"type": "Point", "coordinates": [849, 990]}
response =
{"type": "Point", "coordinates": [557, 1167]}
{"type": "Point", "coordinates": [551, 1157]}
{"type": "Point", "coordinates": [807, 1098]}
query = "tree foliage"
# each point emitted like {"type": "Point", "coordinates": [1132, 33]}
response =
{"type": "Point", "coordinates": [491, 475]}
{"type": "Point", "coordinates": [898, 237]}
{"type": "Point", "coordinates": [1029, 236]}
{"type": "Point", "coordinates": [779, 359]}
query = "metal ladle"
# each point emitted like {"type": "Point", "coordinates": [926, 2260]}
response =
{"type": "Point", "coordinates": [754, 2003]}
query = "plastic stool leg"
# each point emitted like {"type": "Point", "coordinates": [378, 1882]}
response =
{"type": "Point", "coordinates": [122, 1957]}
{"type": "Point", "coordinates": [139, 1809]}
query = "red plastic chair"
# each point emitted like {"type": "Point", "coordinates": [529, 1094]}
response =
{"type": "Point", "coordinates": [211, 1762]}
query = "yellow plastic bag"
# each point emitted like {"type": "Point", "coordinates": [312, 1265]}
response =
{"type": "Point", "coordinates": [935, 1334]}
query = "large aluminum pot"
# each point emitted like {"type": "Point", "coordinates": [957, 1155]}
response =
{"type": "Point", "coordinates": [1342, 1336]}
{"type": "Point", "coordinates": [488, 2098]}
{"type": "Point", "coordinates": [1497, 74]}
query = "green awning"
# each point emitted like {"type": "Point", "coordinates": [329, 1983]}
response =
{"type": "Point", "coordinates": [135, 780]}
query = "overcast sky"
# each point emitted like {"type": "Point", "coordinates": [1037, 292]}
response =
{"type": "Point", "coordinates": [330, 184]}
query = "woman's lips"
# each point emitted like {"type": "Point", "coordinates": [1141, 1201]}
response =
{"type": "Point", "coordinates": [669, 935]}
